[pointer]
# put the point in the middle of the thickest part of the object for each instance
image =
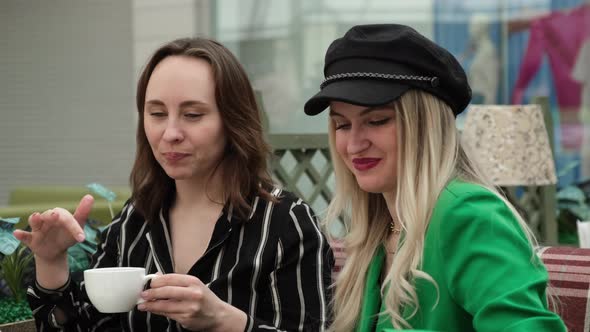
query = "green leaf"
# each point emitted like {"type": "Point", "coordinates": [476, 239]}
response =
{"type": "Point", "coordinates": [102, 191]}
{"type": "Point", "coordinates": [13, 269]}
{"type": "Point", "coordinates": [77, 258]}
{"type": "Point", "coordinates": [79, 254]}
{"type": "Point", "coordinates": [8, 243]}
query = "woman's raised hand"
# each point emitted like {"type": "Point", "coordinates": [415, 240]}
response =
{"type": "Point", "coordinates": [55, 230]}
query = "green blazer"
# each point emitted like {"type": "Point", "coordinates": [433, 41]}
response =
{"type": "Point", "coordinates": [481, 261]}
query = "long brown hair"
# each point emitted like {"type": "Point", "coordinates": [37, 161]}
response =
{"type": "Point", "coordinates": [245, 158]}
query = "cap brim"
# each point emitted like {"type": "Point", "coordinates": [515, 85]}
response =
{"type": "Point", "coordinates": [362, 92]}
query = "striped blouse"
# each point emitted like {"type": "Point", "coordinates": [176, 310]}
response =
{"type": "Point", "coordinates": [275, 266]}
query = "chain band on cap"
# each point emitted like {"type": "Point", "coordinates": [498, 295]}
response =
{"type": "Point", "coordinates": [397, 77]}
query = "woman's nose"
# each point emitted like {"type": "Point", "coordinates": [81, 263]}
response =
{"type": "Point", "coordinates": [358, 141]}
{"type": "Point", "coordinates": [173, 133]}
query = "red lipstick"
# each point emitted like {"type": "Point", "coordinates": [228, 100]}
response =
{"type": "Point", "coordinates": [363, 164]}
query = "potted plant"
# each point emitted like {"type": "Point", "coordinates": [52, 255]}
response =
{"type": "Point", "coordinates": [15, 269]}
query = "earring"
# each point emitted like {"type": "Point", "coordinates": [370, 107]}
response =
{"type": "Point", "coordinates": [392, 228]}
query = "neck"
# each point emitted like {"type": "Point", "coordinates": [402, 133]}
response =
{"type": "Point", "coordinates": [201, 191]}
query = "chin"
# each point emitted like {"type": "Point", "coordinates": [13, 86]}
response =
{"type": "Point", "coordinates": [374, 184]}
{"type": "Point", "coordinates": [175, 175]}
{"type": "Point", "coordinates": [374, 188]}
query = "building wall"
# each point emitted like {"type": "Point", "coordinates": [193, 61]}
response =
{"type": "Point", "coordinates": [68, 71]}
{"type": "Point", "coordinates": [66, 99]}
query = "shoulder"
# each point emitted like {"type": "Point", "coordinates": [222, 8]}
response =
{"type": "Point", "coordinates": [459, 196]}
{"type": "Point", "coordinates": [458, 189]}
{"type": "Point", "coordinates": [287, 205]}
{"type": "Point", "coordinates": [462, 206]}
{"type": "Point", "coordinates": [289, 215]}
{"type": "Point", "coordinates": [290, 201]}
{"type": "Point", "coordinates": [297, 209]}
{"type": "Point", "coordinates": [127, 219]}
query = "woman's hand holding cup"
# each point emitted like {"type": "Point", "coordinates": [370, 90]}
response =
{"type": "Point", "coordinates": [185, 299]}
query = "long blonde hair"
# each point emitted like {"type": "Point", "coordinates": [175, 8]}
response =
{"type": "Point", "coordinates": [429, 156]}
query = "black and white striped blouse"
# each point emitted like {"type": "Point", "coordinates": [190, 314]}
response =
{"type": "Point", "coordinates": [275, 266]}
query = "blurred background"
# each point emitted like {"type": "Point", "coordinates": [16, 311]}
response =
{"type": "Point", "coordinates": [68, 69]}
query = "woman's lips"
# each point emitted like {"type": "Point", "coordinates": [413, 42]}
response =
{"type": "Point", "coordinates": [175, 156]}
{"type": "Point", "coordinates": [363, 164]}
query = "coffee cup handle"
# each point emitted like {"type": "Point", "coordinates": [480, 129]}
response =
{"type": "Point", "coordinates": [145, 280]}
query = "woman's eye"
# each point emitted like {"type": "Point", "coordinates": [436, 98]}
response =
{"type": "Point", "coordinates": [193, 115]}
{"type": "Point", "coordinates": [341, 126]}
{"type": "Point", "coordinates": [158, 114]}
{"type": "Point", "coordinates": [379, 122]}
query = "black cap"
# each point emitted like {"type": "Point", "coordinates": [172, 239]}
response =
{"type": "Point", "coordinates": [373, 65]}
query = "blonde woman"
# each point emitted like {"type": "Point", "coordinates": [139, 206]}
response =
{"type": "Point", "coordinates": [432, 244]}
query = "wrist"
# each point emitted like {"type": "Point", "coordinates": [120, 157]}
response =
{"type": "Point", "coordinates": [59, 260]}
{"type": "Point", "coordinates": [52, 274]}
{"type": "Point", "coordinates": [229, 318]}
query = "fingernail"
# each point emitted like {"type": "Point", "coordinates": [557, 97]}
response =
{"type": "Point", "coordinates": [144, 295]}
{"type": "Point", "coordinates": [141, 306]}
{"type": "Point", "coordinates": [80, 237]}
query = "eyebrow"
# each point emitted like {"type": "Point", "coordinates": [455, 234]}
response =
{"type": "Point", "coordinates": [363, 112]}
{"type": "Point", "coordinates": [184, 104]}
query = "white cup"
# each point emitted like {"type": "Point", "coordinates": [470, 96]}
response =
{"type": "Point", "coordinates": [116, 289]}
